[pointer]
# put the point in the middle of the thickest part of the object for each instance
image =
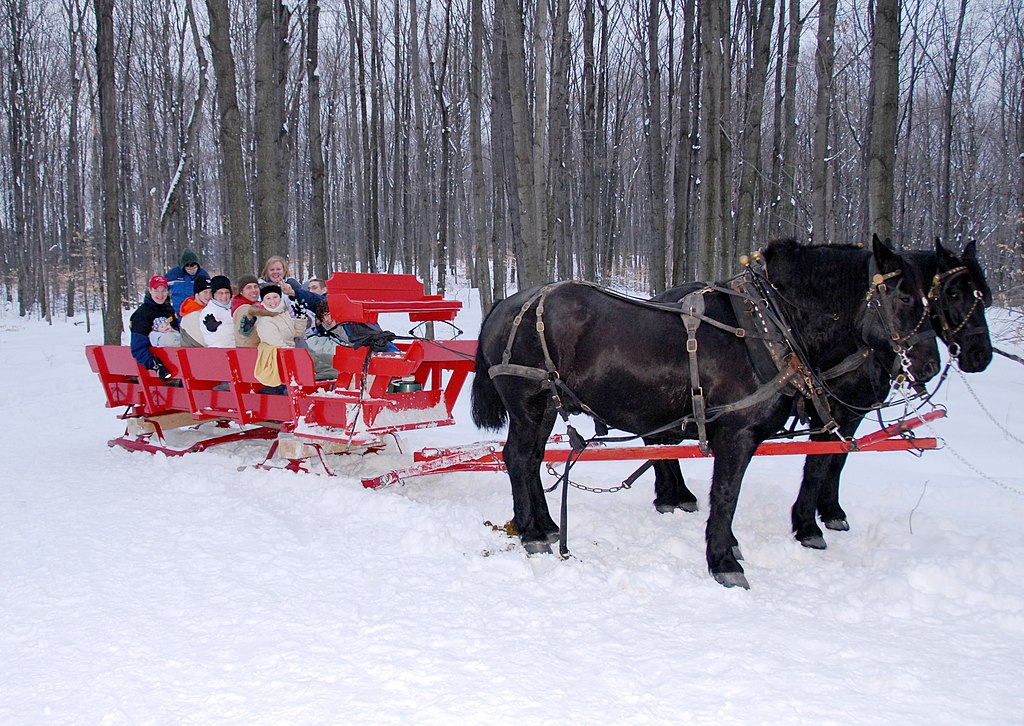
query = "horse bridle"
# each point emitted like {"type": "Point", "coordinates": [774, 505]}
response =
{"type": "Point", "coordinates": [881, 297]}
{"type": "Point", "coordinates": [935, 297]}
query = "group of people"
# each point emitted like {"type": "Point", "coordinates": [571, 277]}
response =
{"type": "Point", "coordinates": [188, 308]}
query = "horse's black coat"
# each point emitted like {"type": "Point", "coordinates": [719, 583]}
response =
{"type": "Point", "coordinates": [960, 298]}
{"type": "Point", "coordinates": [629, 364]}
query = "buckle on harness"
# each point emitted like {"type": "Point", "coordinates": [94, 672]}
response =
{"type": "Point", "coordinates": [691, 345]}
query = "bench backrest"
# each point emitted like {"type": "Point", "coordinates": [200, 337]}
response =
{"type": "Point", "coordinates": [361, 297]}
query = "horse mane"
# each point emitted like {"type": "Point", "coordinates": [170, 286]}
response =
{"type": "Point", "coordinates": [832, 276]}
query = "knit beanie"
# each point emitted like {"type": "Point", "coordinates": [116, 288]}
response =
{"type": "Point", "coordinates": [245, 280]}
{"type": "Point", "coordinates": [267, 289]}
{"type": "Point", "coordinates": [188, 257]}
{"type": "Point", "coordinates": [200, 284]}
{"type": "Point", "coordinates": [220, 282]}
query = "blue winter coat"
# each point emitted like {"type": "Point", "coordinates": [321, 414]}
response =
{"type": "Point", "coordinates": [182, 285]}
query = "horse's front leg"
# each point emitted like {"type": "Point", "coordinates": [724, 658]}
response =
{"type": "Point", "coordinates": [819, 491]}
{"type": "Point", "coordinates": [733, 451]}
{"type": "Point", "coordinates": [528, 431]}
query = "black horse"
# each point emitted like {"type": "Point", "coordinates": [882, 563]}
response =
{"type": "Point", "coordinates": [575, 348]}
{"type": "Point", "coordinates": [957, 294]}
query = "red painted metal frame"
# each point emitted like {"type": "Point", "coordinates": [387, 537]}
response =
{"type": "Point", "coordinates": [487, 456]}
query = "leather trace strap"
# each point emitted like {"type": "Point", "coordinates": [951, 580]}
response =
{"type": "Point", "coordinates": [692, 313]}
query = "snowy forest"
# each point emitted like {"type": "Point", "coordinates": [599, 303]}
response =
{"type": "Point", "coordinates": [497, 143]}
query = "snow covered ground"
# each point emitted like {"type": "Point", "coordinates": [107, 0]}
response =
{"type": "Point", "coordinates": [141, 589]}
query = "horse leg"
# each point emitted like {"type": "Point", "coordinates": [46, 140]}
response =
{"type": "Point", "coordinates": [832, 515]}
{"type": "Point", "coordinates": [733, 451]}
{"type": "Point", "coordinates": [530, 423]}
{"type": "Point", "coordinates": [670, 491]}
{"type": "Point", "coordinates": [819, 491]}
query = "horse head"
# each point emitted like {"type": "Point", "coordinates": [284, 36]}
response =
{"type": "Point", "coordinates": [897, 314]}
{"type": "Point", "coordinates": [958, 297]}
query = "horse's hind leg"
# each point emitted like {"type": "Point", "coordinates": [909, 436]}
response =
{"type": "Point", "coordinates": [670, 490]}
{"type": "Point", "coordinates": [530, 424]}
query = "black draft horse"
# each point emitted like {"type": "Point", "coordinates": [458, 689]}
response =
{"type": "Point", "coordinates": [958, 294]}
{"type": "Point", "coordinates": [628, 364]}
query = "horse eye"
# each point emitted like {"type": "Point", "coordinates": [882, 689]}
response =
{"type": "Point", "coordinates": [906, 299]}
{"type": "Point", "coordinates": [955, 294]}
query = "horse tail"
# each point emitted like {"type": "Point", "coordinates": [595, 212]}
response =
{"type": "Point", "coordinates": [489, 410]}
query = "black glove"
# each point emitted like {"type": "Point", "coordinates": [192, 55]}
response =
{"type": "Point", "coordinates": [211, 322]}
{"type": "Point", "coordinates": [161, 371]}
{"type": "Point", "coordinates": [247, 324]}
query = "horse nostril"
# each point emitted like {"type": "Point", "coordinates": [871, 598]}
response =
{"type": "Point", "coordinates": [931, 369]}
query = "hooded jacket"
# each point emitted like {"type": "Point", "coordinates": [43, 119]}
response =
{"type": "Point", "coordinates": [182, 284]}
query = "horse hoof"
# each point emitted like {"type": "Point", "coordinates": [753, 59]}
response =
{"type": "Point", "coordinates": [537, 548]}
{"type": "Point", "coordinates": [669, 508]}
{"type": "Point", "coordinates": [732, 579]}
{"type": "Point", "coordinates": [553, 537]}
{"type": "Point", "coordinates": [737, 552]}
{"type": "Point", "coordinates": [837, 525]}
{"type": "Point", "coordinates": [814, 543]}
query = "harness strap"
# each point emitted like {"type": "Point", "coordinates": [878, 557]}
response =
{"type": "Point", "coordinates": [849, 364]}
{"type": "Point", "coordinates": [692, 315]}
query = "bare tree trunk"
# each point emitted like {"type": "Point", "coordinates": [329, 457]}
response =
{"type": "Point", "coordinates": [438, 79]}
{"type": "Point", "coordinates": [112, 324]}
{"type": "Point", "coordinates": [783, 210]}
{"type": "Point", "coordinates": [172, 200]}
{"type": "Point", "coordinates": [531, 265]}
{"type": "Point", "coordinates": [885, 105]}
{"type": "Point", "coordinates": [271, 172]}
{"type": "Point", "coordinates": [318, 214]}
{"type": "Point", "coordinates": [751, 168]}
{"type": "Point", "coordinates": [821, 165]}
{"type": "Point", "coordinates": [588, 139]}
{"type": "Point", "coordinates": [481, 267]}
{"type": "Point", "coordinates": [714, 42]}
{"type": "Point", "coordinates": [17, 11]}
{"type": "Point", "coordinates": [229, 129]}
{"type": "Point", "coordinates": [655, 151]}
{"type": "Point", "coordinates": [946, 151]}
{"type": "Point", "coordinates": [682, 258]}
{"type": "Point", "coordinates": [558, 204]}
{"type": "Point", "coordinates": [73, 206]}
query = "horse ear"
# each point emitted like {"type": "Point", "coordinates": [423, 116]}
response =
{"type": "Point", "coordinates": [943, 254]}
{"type": "Point", "coordinates": [885, 258]}
{"type": "Point", "coordinates": [971, 250]}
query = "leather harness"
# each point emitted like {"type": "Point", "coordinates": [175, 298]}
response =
{"type": "Point", "coordinates": [771, 346]}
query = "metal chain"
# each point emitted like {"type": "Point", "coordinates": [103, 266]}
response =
{"type": "Point", "coordinates": [582, 487]}
{"type": "Point", "coordinates": [956, 454]}
{"type": "Point", "coordinates": [986, 411]}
